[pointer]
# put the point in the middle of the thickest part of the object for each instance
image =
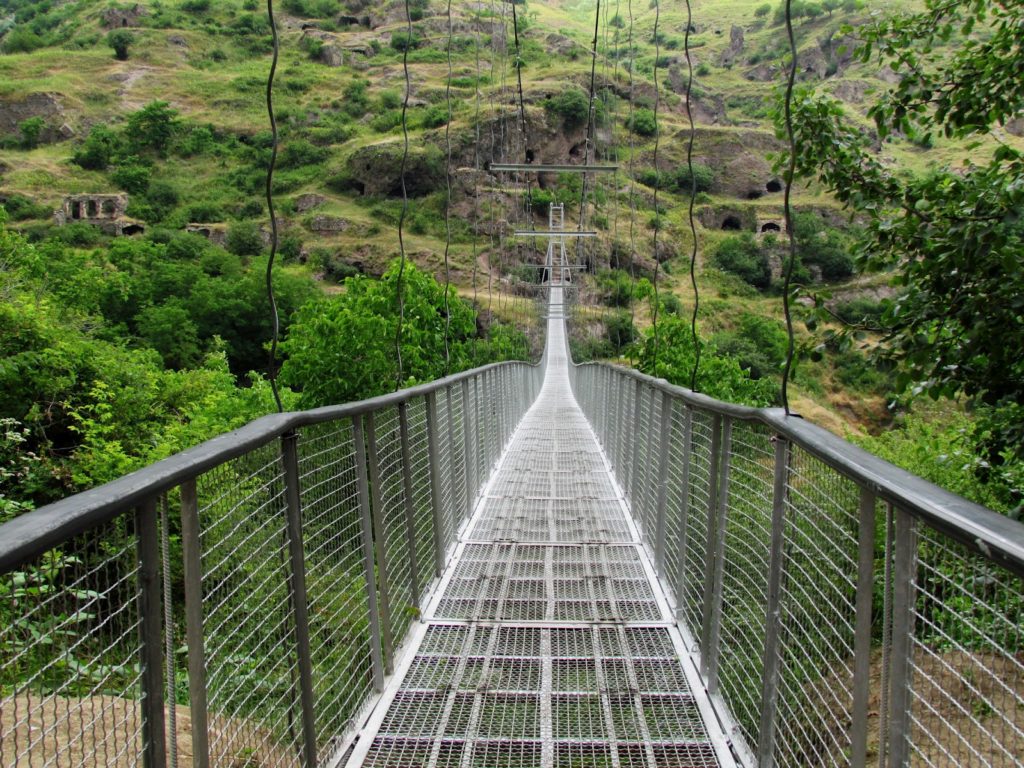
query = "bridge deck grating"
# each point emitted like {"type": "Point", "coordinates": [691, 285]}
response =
{"type": "Point", "coordinates": [547, 645]}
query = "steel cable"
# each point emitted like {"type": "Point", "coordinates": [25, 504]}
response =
{"type": "Point", "coordinates": [786, 207]}
{"type": "Point", "coordinates": [632, 173]}
{"type": "Point", "coordinates": [448, 200]}
{"type": "Point", "coordinates": [657, 187]}
{"type": "Point", "coordinates": [274, 316]}
{"type": "Point", "coordinates": [587, 145]}
{"type": "Point", "coordinates": [399, 292]}
{"type": "Point", "coordinates": [693, 198]}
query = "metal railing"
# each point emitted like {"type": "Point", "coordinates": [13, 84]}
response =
{"type": "Point", "coordinates": [239, 604]}
{"type": "Point", "coordinates": [842, 611]}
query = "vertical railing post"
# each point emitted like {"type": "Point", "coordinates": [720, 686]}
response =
{"type": "Point", "coordinates": [369, 570]}
{"type": "Point", "coordinates": [634, 452]}
{"type": "Point", "coordinates": [625, 430]}
{"type": "Point", "coordinates": [480, 452]}
{"type": "Point", "coordinates": [435, 483]}
{"type": "Point", "coordinates": [453, 467]}
{"type": "Point", "coordinates": [715, 552]}
{"type": "Point", "coordinates": [151, 638]}
{"type": "Point", "coordinates": [773, 609]}
{"type": "Point", "coordinates": [300, 606]}
{"type": "Point", "coordinates": [903, 600]}
{"type": "Point", "coordinates": [195, 640]}
{"type": "Point", "coordinates": [380, 544]}
{"type": "Point", "coordinates": [663, 458]}
{"type": "Point", "coordinates": [862, 631]}
{"type": "Point", "coordinates": [467, 463]}
{"type": "Point", "coordinates": [410, 507]}
{"type": "Point", "coordinates": [684, 512]}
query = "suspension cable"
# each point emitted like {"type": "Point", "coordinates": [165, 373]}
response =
{"type": "Point", "coordinates": [632, 173]}
{"type": "Point", "coordinates": [475, 231]}
{"type": "Point", "coordinates": [448, 200]}
{"type": "Point", "coordinates": [275, 320]}
{"type": "Point", "coordinates": [399, 292]}
{"type": "Point", "coordinates": [657, 185]}
{"type": "Point", "coordinates": [522, 106]}
{"type": "Point", "coordinates": [787, 209]}
{"type": "Point", "coordinates": [693, 199]}
{"type": "Point", "coordinates": [580, 247]}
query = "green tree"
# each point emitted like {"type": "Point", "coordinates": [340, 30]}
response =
{"type": "Point", "coordinates": [355, 333]}
{"type": "Point", "coordinates": [31, 130]}
{"type": "Point", "coordinates": [743, 256]}
{"type": "Point", "coordinates": [97, 150]}
{"type": "Point", "coordinates": [951, 237]}
{"type": "Point", "coordinates": [643, 122]}
{"type": "Point", "coordinates": [571, 106]}
{"type": "Point", "coordinates": [120, 40]}
{"type": "Point", "coordinates": [152, 127]}
{"type": "Point", "coordinates": [719, 376]}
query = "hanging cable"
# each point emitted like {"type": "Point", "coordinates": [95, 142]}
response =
{"type": "Point", "coordinates": [522, 107]}
{"type": "Point", "coordinates": [275, 320]}
{"type": "Point", "coordinates": [787, 209]}
{"type": "Point", "coordinates": [475, 231]}
{"type": "Point", "coordinates": [657, 186]}
{"type": "Point", "coordinates": [448, 201]}
{"type": "Point", "coordinates": [632, 174]}
{"type": "Point", "coordinates": [399, 288]}
{"type": "Point", "coordinates": [590, 134]}
{"type": "Point", "coordinates": [693, 198]}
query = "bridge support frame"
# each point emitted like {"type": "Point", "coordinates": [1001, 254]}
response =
{"type": "Point", "coordinates": [300, 606]}
{"type": "Point", "coordinates": [773, 608]}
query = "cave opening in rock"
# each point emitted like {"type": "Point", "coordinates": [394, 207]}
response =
{"type": "Point", "coordinates": [732, 224]}
{"type": "Point", "coordinates": [771, 226]}
{"type": "Point", "coordinates": [754, 194]}
{"type": "Point", "coordinates": [773, 186]}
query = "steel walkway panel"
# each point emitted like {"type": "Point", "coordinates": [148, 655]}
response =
{"type": "Point", "coordinates": [548, 643]}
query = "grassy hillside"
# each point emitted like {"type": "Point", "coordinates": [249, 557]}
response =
{"type": "Point", "coordinates": [338, 98]}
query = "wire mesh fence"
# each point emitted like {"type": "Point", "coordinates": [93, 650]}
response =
{"type": "Point", "coordinates": [845, 612]}
{"type": "Point", "coordinates": [239, 604]}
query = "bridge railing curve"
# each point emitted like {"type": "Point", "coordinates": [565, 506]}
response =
{"type": "Point", "coordinates": [842, 611]}
{"type": "Point", "coordinates": [239, 603]}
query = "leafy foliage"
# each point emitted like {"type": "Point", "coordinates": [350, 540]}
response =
{"type": "Point", "coordinates": [951, 237]}
{"type": "Point", "coordinates": [356, 333]}
{"type": "Point", "coordinates": [719, 375]}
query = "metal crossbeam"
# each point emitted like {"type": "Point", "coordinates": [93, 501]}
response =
{"type": "Point", "coordinates": [511, 167]}
{"type": "Point", "coordinates": [547, 233]}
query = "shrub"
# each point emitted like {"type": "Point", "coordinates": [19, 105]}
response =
{"type": "Point", "coordinates": [22, 40]}
{"type": "Point", "coordinates": [704, 176]}
{"type": "Point", "coordinates": [620, 331]}
{"type": "Point", "coordinates": [571, 106]}
{"type": "Point", "coordinates": [97, 150]}
{"type": "Point", "coordinates": [742, 256]}
{"type": "Point", "coordinates": [244, 239]}
{"type": "Point", "coordinates": [20, 208]}
{"type": "Point", "coordinates": [120, 40]}
{"type": "Point", "coordinates": [643, 123]}
{"type": "Point", "coordinates": [31, 130]}
{"type": "Point", "coordinates": [404, 41]}
{"type": "Point", "coordinates": [296, 154]}
{"type": "Point", "coordinates": [132, 177]}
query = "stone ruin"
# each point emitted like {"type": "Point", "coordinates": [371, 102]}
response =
{"type": "Point", "coordinates": [120, 18]}
{"type": "Point", "coordinates": [771, 225]}
{"type": "Point", "coordinates": [107, 212]}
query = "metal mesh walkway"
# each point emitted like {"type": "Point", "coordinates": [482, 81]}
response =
{"type": "Point", "coordinates": [548, 642]}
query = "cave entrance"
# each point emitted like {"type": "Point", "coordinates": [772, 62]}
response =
{"type": "Point", "coordinates": [773, 186]}
{"type": "Point", "coordinates": [754, 194]}
{"type": "Point", "coordinates": [771, 226]}
{"type": "Point", "coordinates": [732, 224]}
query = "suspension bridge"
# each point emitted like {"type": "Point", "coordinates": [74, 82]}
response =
{"type": "Point", "coordinates": [519, 565]}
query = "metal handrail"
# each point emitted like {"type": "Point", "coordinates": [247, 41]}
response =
{"type": "Point", "coordinates": [818, 586]}
{"type": "Point", "coordinates": [33, 533]}
{"type": "Point", "coordinates": [984, 531]}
